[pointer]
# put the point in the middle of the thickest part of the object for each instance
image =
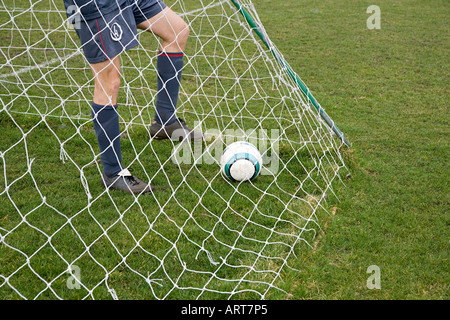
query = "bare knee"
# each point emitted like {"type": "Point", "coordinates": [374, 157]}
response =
{"type": "Point", "coordinates": [107, 85]}
{"type": "Point", "coordinates": [170, 27]}
{"type": "Point", "coordinates": [176, 40]}
{"type": "Point", "coordinates": [115, 86]}
{"type": "Point", "coordinates": [114, 83]}
{"type": "Point", "coordinates": [182, 36]}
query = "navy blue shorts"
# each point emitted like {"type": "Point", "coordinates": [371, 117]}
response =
{"type": "Point", "coordinates": [107, 36]}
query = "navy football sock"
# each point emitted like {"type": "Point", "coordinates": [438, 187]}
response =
{"type": "Point", "coordinates": [107, 129]}
{"type": "Point", "coordinates": [169, 66]}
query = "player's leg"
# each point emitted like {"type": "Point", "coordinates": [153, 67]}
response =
{"type": "Point", "coordinates": [107, 128]}
{"type": "Point", "coordinates": [174, 33]}
{"type": "Point", "coordinates": [103, 38]}
{"type": "Point", "coordinates": [107, 81]}
{"type": "Point", "coordinates": [104, 113]}
{"type": "Point", "coordinates": [170, 27]}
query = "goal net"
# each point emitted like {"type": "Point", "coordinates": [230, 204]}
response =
{"type": "Point", "coordinates": [199, 235]}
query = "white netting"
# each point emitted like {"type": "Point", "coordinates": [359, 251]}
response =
{"type": "Point", "coordinates": [199, 235]}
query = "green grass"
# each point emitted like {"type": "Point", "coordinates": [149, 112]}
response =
{"type": "Point", "coordinates": [386, 89]}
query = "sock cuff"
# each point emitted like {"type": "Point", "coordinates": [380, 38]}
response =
{"type": "Point", "coordinates": [171, 54]}
{"type": "Point", "coordinates": [97, 107]}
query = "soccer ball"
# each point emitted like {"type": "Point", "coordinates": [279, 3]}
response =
{"type": "Point", "coordinates": [241, 161]}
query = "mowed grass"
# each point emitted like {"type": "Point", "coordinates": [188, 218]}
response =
{"type": "Point", "coordinates": [48, 222]}
{"type": "Point", "coordinates": [386, 89]}
{"type": "Point", "coordinates": [199, 235]}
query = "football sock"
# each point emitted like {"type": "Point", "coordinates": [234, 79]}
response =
{"type": "Point", "coordinates": [107, 129]}
{"type": "Point", "coordinates": [169, 67]}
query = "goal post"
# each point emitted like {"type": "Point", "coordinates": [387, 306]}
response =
{"type": "Point", "coordinates": [261, 34]}
{"type": "Point", "coordinates": [199, 235]}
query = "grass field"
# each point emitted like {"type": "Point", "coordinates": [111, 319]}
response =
{"type": "Point", "coordinates": [387, 90]}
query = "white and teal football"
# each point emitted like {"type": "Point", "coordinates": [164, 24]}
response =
{"type": "Point", "coordinates": [241, 161]}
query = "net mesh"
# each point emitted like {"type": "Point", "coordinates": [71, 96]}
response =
{"type": "Point", "coordinates": [199, 235]}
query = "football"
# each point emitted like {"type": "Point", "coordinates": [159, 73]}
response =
{"type": "Point", "coordinates": [241, 161]}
